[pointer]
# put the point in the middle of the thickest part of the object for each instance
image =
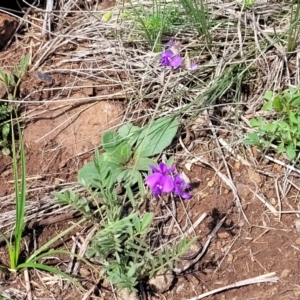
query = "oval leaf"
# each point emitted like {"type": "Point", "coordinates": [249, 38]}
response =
{"type": "Point", "coordinates": [154, 140]}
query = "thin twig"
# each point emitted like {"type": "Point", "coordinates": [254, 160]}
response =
{"type": "Point", "coordinates": [259, 279]}
{"type": "Point", "coordinates": [27, 284]}
{"type": "Point", "coordinates": [198, 257]}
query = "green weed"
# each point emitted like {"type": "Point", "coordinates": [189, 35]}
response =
{"type": "Point", "coordinates": [14, 244]}
{"type": "Point", "coordinates": [197, 14]}
{"type": "Point", "coordinates": [11, 83]}
{"type": "Point", "coordinates": [162, 20]}
{"type": "Point", "coordinates": [294, 28]}
{"type": "Point", "coordinates": [122, 244]}
{"type": "Point", "coordinates": [284, 131]}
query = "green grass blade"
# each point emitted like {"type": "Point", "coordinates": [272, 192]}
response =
{"type": "Point", "coordinates": [49, 243]}
{"type": "Point", "coordinates": [48, 269]}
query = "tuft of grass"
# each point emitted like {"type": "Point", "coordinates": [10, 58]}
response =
{"type": "Point", "coordinates": [11, 83]}
{"type": "Point", "coordinates": [198, 15]}
{"type": "Point", "coordinates": [294, 28]}
{"type": "Point", "coordinates": [284, 131]}
{"type": "Point", "coordinates": [15, 243]}
{"type": "Point", "coordinates": [154, 24]}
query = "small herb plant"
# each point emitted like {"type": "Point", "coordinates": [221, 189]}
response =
{"type": "Point", "coordinates": [249, 3]}
{"type": "Point", "coordinates": [124, 243]}
{"type": "Point", "coordinates": [14, 244]}
{"type": "Point", "coordinates": [197, 14]}
{"type": "Point", "coordinates": [13, 80]}
{"type": "Point", "coordinates": [11, 83]}
{"type": "Point", "coordinates": [162, 20]}
{"type": "Point", "coordinates": [284, 132]}
{"type": "Point", "coordinates": [127, 154]}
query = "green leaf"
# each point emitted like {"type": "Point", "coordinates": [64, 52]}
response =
{"type": "Point", "coordinates": [130, 133]}
{"type": "Point", "coordinates": [280, 148]}
{"type": "Point", "coordinates": [129, 176]}
{"type": "Point", "coordinates": [111, 140]}
{"type": "Point", "coordinates": [277, 104]}
{"type": "Point", "coordinates": [257, 122]}
{"type": "Point", "coordinates": [108, 162]}
{"type": "Point", "coordinates": [272, 127]}
{"type": "Point", "coordinates": [295, 101]}
{"type": "Point", "coordinates": [283, 125]}
{"type": "Point", "coordinates": [263, 128]}
{"type": "Point", "coordinates": [268, 106]}
{"type": "Point", "coordinates": [5, 131]}
{"type": "Point", "coordinates": [269, 95]}
{"type": "Point", "coordinates": [130, 194]}
{"type": "Point", "coordinates": [122, 153]}
{"type": "Point", "coordinates": [146, 221]}
{"type": "Point", "coordinates": [116, 146]}
{"type": "Point", "coordinates": [292, 118]}
{"type": "Point", "coordinates": [137, 223]}
{"type": "Point", "coordinates": [290, 151]}
{"type": "Point", "coordinates": [132, 270]}
{"type": "Point", "coordinates": [88, 175]}
{"type": "Point", "coordinates": [252, 139]}
{"type": "Point", "coordinates": [143, 163]}
{"type": "Point", "coordinates": [48, 269]}
{"type": "Point", "coordinates": [154, 140]}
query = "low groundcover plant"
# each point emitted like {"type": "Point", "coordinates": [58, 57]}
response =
{"type": "Point", "coordinates": [125, 243]}
{"type": "Point", "coordinates": [281, 128]}
{"type": "Point", "coordinates": [14, 244]}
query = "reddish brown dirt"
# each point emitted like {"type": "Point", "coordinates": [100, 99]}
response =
{"type": "Point", "coordinates": [59, 140]}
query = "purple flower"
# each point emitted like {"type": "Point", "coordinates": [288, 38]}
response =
{"type": "Point", "coordinates": [162, 180]}
{"type": "Point", "coordinates": [180, 186]}
{"type": "Point", "coordinates": [174, 47]}
{"type": "Point", "coordinates": [165, 58]}
{"type": "Point", "coordinates": [160, 183]}
{"type": "Point", "coordinates": [168, 59]}
{"type": "Point", "coordinates": [162, 168]}
{"type": "Point", "coordinates": [193, 66]}
{"type": "Point", "coordinates": [176, 61]}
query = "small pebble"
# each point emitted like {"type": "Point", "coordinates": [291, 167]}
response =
{"type": "Point", "coordinates": [218, 245]}
{"type": "Point", "coordinates": [229, 258]}
{"type": "Point", "coordinates": [237, 165]}
{"type": "Point", "coordinates": [297, 225]}
{"type": "Point", "coordinates": [210, 183]}
{"type": "Point", "coordinates": [223, 235]}
{"type": "Point", "coordinates": [285, 273]}
{"type": "Point", "coordinates": [226, 191]}
{"type": "Point", "coordinates": [162, 281]}
{"type": "Point", "coordinates": [43, 76]}
{"type": "Point", "coordinates": [254, 176]}
{"type": "Point", "coordinates": [84, 272]}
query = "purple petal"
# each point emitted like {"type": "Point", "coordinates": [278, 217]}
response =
{"type": "Point", "coordinates": [164, 168]}
{"type": "Point", "coordinates": [154, 180]}
{"type": "Point", "coordinates": [165, 58]}
{"type": "Point", "coordinates": [154, 169]}
{"type": "Point", "coordinates": [171, 43]}
{"type": "Point", "coordinates": [156, 191]}
{"type": "Point", "coordinates": [185, 195]}
{"type": "Point", "coordinates": [175, 61]}
{"type": "Point", "coordinates": [167, 184]}
{"type": "Point", "coordinates": [193, 66]}
{"type": "Point", "coordinates": [178, 179]}
{"type": "Point", "coordinates": [180, 186]}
